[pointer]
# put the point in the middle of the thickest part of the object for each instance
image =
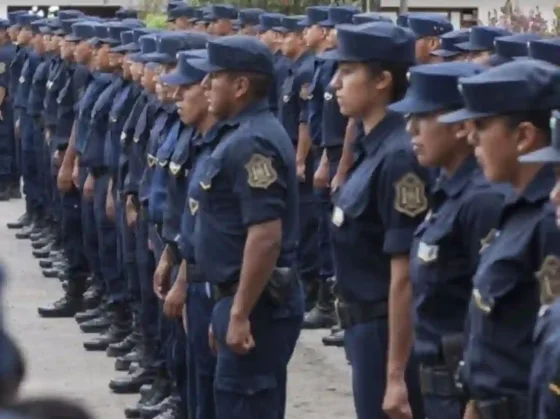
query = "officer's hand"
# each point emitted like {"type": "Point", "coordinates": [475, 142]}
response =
{"type": "Point", "coordinates": [337, 182]}
{"type": "Point", "coordinates": [64, 179]}
{"type": "Point", "coordinates": [110, 208]}
{"type": "Point", "coordinates": [300, 171]}
{"type": "Point", "coordinates": [76, 175]}
{"type": "Point", "coordinates": [395, 403]}
{"type": "Point", "coordinates": [470, 411]}
{"type": "Point", "coordinates": [239, 337]}
{"type": "Point", "coordinates": [212, 341]}
{"type": "Point", "coordinates": [161, 278]}
{"type": "Point", "coordinates": [88, 187]}
{"type": "Point", "coordinates": [321, 177]}
{"type": "Point", "coordinates": [175, 301]}
{"type": "Point", "coordinates": [131, 213]}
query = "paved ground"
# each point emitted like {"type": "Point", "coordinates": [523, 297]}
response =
{"type": "Point", "coordinates": [319, 386]}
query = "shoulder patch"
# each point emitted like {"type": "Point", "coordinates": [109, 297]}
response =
{"type": "Point", "coordinates": [486, 241]}
{"type": "Point", "coordinates": [305, 92]}
{"type": "Point", "coordinates": [410, 195]}
{"type": "Point", "coordinates": [260, 172]}
{"type": "Point", "coordinates": [549, 279]}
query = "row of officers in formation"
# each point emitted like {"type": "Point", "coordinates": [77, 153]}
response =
{"type": "Point", "coordinates": [207, 191]}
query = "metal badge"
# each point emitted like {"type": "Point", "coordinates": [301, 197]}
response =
{"type": "Point", "coordinates": [337, 216]}
{"type": "Point", "coordinates": [22, 79]}
{"type": "Point", "coordinates": [328, 96]}
{"type": "Point", "coordinates": [174, 168]}
{"type": "Point", "coordinates": [427, 253]}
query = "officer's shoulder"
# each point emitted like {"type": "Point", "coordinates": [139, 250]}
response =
{"type": "Point", "coordinates": [479, 187]}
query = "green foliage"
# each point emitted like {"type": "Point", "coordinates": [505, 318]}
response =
{"type": "Point", "coordinates": [156, 20]}
{"type": "Point", "coordinates": [515, 20]}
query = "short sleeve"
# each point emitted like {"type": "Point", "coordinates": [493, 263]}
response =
{"type": "Point", "coordinates": [401, 193]}
{"type": "Point", "coordinates": [478, 218]}
{"type": "Point", "coordinates": [260, 178]}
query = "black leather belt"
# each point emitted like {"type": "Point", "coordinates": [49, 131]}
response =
{"type": "Point", "coordinates": [503, 408]}
{"type": "Point", "coordinates": [354, 313]}
{"type": "Point", "coordinates": [221, 291]}
{"type": "Point", "coordinates": [435, 380]}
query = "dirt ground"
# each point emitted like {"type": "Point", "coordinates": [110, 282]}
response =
{"type": "Point", "coordinates": [319, 382]}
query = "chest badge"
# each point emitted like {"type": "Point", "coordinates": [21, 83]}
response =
{"type": "Point", "coordinates": [286, 98]}
{"type": "Point", "coordinates": [113, 119]}
{"type": "Point", "coordinates": [260, 172]}
{"type": "Point", "coordinates": [410, 195]}
{"type": "Point", "coordinates": [123, 136]}
{"type": "Point", "coordinates": [49, 85]}
{"type": "Point", "coordinates": [193, 206]}
{"type": "Point", "coordinates": [337, 216]}
{"type": "Point", "coordinates": [136, 139]}
{"type": "Point", "coordinates": [174, 168]}
{"type": "Point", "coordinates": [22, 79]}
{"type": "Point", "coordinates": [328, 96]}
{"type": "Point", "coordinates": [427, 253]}
{"type": "Point", "coordinates": [549, 279]}
{"type": "Point", "coordinates": [162, 163]}
{"type": "Point", "coordinates": [305, 92]}
{"type": "Point", "coordinates": [151, 160]}
{"type": "Point", "coordinates": [487, 241]}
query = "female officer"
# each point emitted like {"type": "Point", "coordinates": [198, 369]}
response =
{"type": "Point", "coordinates": [375, 214]}
{"type": "Point", "coordinates": [446, 245]}
{"type": "Point", "coordinates": [510, 109]}
{"type": "Point", "coordinates": [545, 373]}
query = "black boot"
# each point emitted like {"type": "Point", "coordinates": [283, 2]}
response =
{"type": "Point", "coordinates": [25, 232]}
{"type": "Point", "coordinates": [323, 314]}
{"type": "Point", "coordinates": [68, 305]}
{"type": "Point", "coordinates": [91, 313]}
{"type": "Point", "coordinates": [93, 296]}
{"type": "Point", "coordinates": [311, 290]}
{"type": "Point", "coordinates": [119, 329]}
{"type": "Point", "coordinates": [123, 363]}
{"type": "Point", "coordinates": [132, 382]}
{"type": "Point", "coordinates": [336, 338]}
{"type": "Point", "coordinates": [23, 221]}
{"type": "Point", "coordinates": [158, 391]}
{"type": "Point", "coordinates": [127, 344]}
{"type": "Point", "coordinates": [169, 407]}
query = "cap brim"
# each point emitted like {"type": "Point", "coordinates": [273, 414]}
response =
{"type": "Point", "coordinates": [304, 23]}
{"type": "Point", "coordinates": [467, 46]}
{"type": "Point", "coordinates": [132, 47]}
{"type": "Point", "coordinates": [94, 41]}
{"type": "Point", "coordinates": [415, 106]}
{"type": "Point", "coordinates": [280, 29]}
{"type": "Point", "coordinates": [159, 58]}
{"type": "Point", "coordinates": [444, 53]}
{"type": "Point", "coordinates": [462, 115]}
{"type": "Point", "coordinates": [136, 57]}
{"type": "Point", "coordinates": [151, 65]}
{"type": "Point", "coordinates": [335, 55]}
{"type": "Point", "coordinates": [72, 38]}
{"type": "Point", "coordinates": [544, 155]}
{"type": "Point", "coordinates": [112, 42]}
{"type": "Point", "coordinates": [196, 53]}
{"type": "Point", "coordinates": [327, 24]}
{"type": "Point", "coordinates": [177, 79]}
{"type": "Point", "coordinates": [59, 32]}
{"type": "Point", "coordinates": [495, 60]}
{"type": "Point", "coordinates": [45, 30]}
{"type": "Point", "coordinates": [203, 64]}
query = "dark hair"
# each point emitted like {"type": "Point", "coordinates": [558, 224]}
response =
{"type": "Point", "coordinates": [260, 84]}
{"type": "Point", "coordinates": [398, 72]}
{"type": "Point", "coordinates": [50, 408]}
{"type": "Point", "coordinates": [540, 119]}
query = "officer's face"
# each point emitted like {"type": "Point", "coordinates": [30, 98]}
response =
{"type": "Point", "coordinates": [148, 79]}
{"type": "Point", "coordinates": [126, 64]}
{"type": "Point", "coordinates": [479, 56]}
{"type": "Point", "coordinates": [200, 27]}
{"type": "Point", "coordinates": [331, 39]}
{"type": "Point", "coordinates": [115, 59]}
{"type": "Point", "coordinates": [102, 61]}
{"type": "Point", "coordinates": [137, 71]}
{"type": "Point", "coordinates": [222, 27]}
{"type": "Point", "coordinates": [292, 44]}
{"type": "Point", "coordinates": [356, 88]}
{"type": "Point", "coordinates": [24, 36]}
{"type": "Point", "coordinates": [67, 50]}
{"type": "Point", "coordinates": [37, 43]}
{"type": "Point", "coordinates": [313, 36]}
{"type": "Point", "coordinates": [171, 26]}
{"type": "Point", "coordinates": [83, 52]}
{"type": "Point", "coordinates": [433, 143]}
{"type": "Point", "coordinates": [13, 32]}
{"type": "Point", "coordinates": [496, 148]}
{"type": "Point", "coordinates": [182, 23]}
{"type": "Point", "coordinates": [423, 48]}
{"type": "Point", "coordinates": [221, 91]}
{"type": "Point", "coordinates": [248, 30]}
{"type": "Point", "coordinates": [555, 195]}
{"type": "Point", "coordinates": [269, 39]}
{"type": "Point", "coordinates": [192, 105]}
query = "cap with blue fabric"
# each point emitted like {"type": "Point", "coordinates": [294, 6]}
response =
{"type": "Point", "coordinates": [4, 24]}
{"type": "Point", "coordinates": [202, 15]}
{"type": "Point", "coordinates": [115, 31]}
{"type": "Point", "coordinates": [186, 74]}
{"type": "Point", "coordinates": [545, 49]}
{"type": "Point", "coordinates": [370, 17]}
{"type": "Point", "coordinates": [506, 48]}
{"type": "Point", "coordinates": [13, 17]}
{"type": "Point", "coordinates": [249, 17]}
{"type": "Point", "coordinates": [25, 19]}
{"type": "Point", "coordinates": [448, 43]}
{"type": "Point", "coordinates": [290, 24]}
{"type": "Point", "coordinates": [148, 44]}
{"type": "Point", "coordinates": [427, 24]}
{"type": "Point", "coordinates": [315, 15]}
{"type": "Point", "coordinates": [126, 43]}
{"type": "Point", "coordinates": [101, 32]}
{"type": "Point", "coordinates": [402, 20]}
{"type": "Point", "coordinates": [36, 26]}
{"type": "Point", "coordinates": [173, 4]}
{"type": "Point", "coordinates": [267, 21]}
{"type": "Point", "coordinates": [517, 86]}
{"type": "Point", "coordinates": [482, 38]}
{"type": "Point", "coordinates": [168, 45]}
{"type": "Point", "coordinates": [125, 12]}
{"type": "Point", "coordinates": [434, 87]}
{"type": "Point", "coordinates": [222, 11]}
{"type": "Point", "coordinates": [78, 30]}
{"type": "Point", "coordinates": [237, 53]}
{"type": "Point", "coordinates": [69, 14]}
{"type": "Point", "coordinates": [55, 26]}
{"type": "Point", "coordinates": [550, 154]}
{"type": "Point", "coordinates": [339, 15]}
{"type": "Point", "coordinates": [377, 41]}
{"type": "Point", "coordinates": [183, 10]}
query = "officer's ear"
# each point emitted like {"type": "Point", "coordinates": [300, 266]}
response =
{"type": "Point", "coordinates": [241, 86]}
{"type": "Point", "coordinates": [527, 137]}
{"type": "Point", "coordinates": [461, 130]}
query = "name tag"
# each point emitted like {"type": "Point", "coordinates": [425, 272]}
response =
{"type": "Point", "coordinates": [337, 216]}
{"type": "Point", "coordinates": [427, 253]}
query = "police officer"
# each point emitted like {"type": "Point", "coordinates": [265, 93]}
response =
{"type": "Point", "coordinates": [481, 42]}
{"type": "Point", "coordinates": [180, 17]}
{"type": "Point", "coordinates": [248, 21]}
{"type": "Point", "coordinates": [505, 297]}
{"type": "Point", "coordinates": [428, 28]}
{"type": "Point", "coordinates": [446, 246]}
{"type": "Point", "coordinates": [506, 48]}
{"type": "Point", "coordinates": [376, 212]}
{"type": "Point", "coordinates": [545, 49]}
{"type": "Point", "coordinates": [292, 113]}
{"type": "Point", "coordinates": [248, 213]}
{"type": "Point", "coordinates": [448, 50]}
{"type": "Point", "coordinates": [221, 18]}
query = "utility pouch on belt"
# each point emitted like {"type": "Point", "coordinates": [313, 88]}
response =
{"type": "Point", "coordinates": [280, 284]}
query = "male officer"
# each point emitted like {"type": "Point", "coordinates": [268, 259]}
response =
{"type": "Point", "coordinates": [181, 16]}
{"type": "Point", "coordinates": [7, 142]}
{"type": "Point", "coordinates": [506, 48]}
{"type": "Point", "coordinates": [481, 42]}
{"type": "Point", "coordinates": [221, 17]}
{"type": "Point", "coordinates": [252, 171]}
{"type": "Point", "coordinates": [328, 128]}
{"type": "Point", "coordinates": [292, 114]}
{"type": "Point", "coordinates": [249, 20]}
{"type": "Point", "coordinates": [448, 50]}
{"type": "Point", "coordinates": [428, 28]}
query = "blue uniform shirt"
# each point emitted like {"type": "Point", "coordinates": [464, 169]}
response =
{"type": "Point", "coordinates": [377, 211]}
{"type": "Point", "coordinates": [25, 80]}
{"type": "Point", "coordinates": [58, 74]}
{"type": "Point", "coordinates": [249, 179]}
{"type": "Point", "coordinates": [16, 67]}
{"type": "Point", "coordinates": [38, 89]}
{"type": "Point", "coordinates": [281, 67]}
{"type": "Point", "coordinates": [445, 254]}
{"type": "Point", "coordinates": [505, 297]}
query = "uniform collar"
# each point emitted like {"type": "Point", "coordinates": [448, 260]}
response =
{"type": "Point", "coordinates": [251, 109]}
{"type": "Point", "coordinates": [373, 141]}
{"type": "Point", "coordinates": [453, 185]}
{"type": "Point", "coordinates": [538, 189]}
